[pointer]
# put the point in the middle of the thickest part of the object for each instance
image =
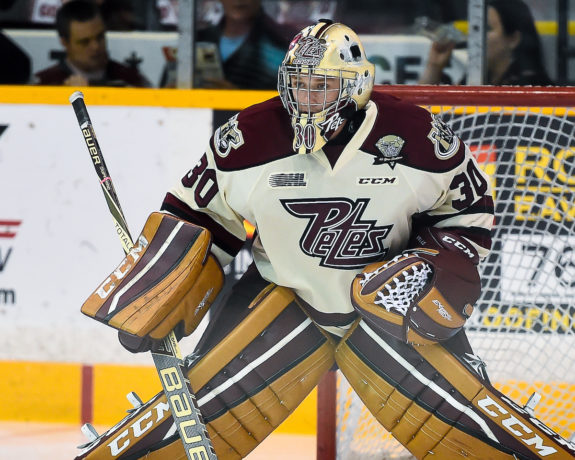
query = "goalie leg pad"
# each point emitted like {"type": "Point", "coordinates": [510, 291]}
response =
{"type": "Point", "coordinates": [434, 402]}
{"type": "Point", "coordinates": [253, 378]}
{"type": "Point", "coordinates": [253, 367]}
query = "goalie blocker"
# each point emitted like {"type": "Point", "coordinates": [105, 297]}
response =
{"type": "Point", "coordinates": [167, 280]}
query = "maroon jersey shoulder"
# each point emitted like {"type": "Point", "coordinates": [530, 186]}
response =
{"type": "Point", "coordinates": [408, 134]}
{"type": "Point", "coordinates": [54, 75]}
{"type": "Point", "coordinates": [260, 134]}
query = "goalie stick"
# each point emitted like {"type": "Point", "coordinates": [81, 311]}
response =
{"type": "Point", "coordinates": [167, 356]}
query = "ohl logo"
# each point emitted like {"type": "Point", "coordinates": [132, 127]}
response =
{"type": "Point", "coordinates": [336, 233]}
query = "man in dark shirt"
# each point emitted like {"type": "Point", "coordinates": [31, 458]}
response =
{"type": "Point", "coordinates": [83, 35]}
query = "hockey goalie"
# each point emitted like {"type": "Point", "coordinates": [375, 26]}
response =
{"type": "Point", "coordinates": [371, 218]}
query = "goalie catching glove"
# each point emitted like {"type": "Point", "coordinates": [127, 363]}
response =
{"type": "Point", "coordinates": [168, 279]}
{"type": "Point", "coordinates": [422, 296]}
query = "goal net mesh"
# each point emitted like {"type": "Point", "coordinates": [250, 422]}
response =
{"type": "Point", "coordinates": [523, 325]}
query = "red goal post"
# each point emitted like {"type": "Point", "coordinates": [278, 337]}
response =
{"type": "Point", "coordinates": [523, 326]}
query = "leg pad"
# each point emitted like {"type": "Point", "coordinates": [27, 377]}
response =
{"type": "Point", "coordinates": [438, 406]}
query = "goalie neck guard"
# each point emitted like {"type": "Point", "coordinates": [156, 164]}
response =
{"type": "Point", "coordinates": [324, 78]}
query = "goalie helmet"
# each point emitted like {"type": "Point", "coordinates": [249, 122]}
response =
{"type": "Point", "coordinates": [324, 78]}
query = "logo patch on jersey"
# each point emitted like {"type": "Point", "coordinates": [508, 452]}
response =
{"type": "Point", "coordinates": [390, 147]}
{"type": "Point", "coordinates": [377, 180]}
{"type": "Point", "coordinates": [228, 136]}
{"type": "Point", "coordinates": [287, 180]}
{"type": "Point", "coordinates": [310, 51]}
{"type": "Point", "coordinates": [336, 233]}
{"type": "Point", "coordinates": [445, 142]}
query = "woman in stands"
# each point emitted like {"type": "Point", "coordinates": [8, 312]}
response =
{"type": "Point", "coordinates": [513, 49]}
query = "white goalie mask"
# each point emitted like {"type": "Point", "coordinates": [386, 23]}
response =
{"type": "Point", "coordinates": [324, 78]}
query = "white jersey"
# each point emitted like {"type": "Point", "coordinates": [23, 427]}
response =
{"type": "Point", "coordinates": [318, 225]}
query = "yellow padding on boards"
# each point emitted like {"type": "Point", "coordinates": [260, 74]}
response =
{"type": "Point", "coordinates": [25, 386]}
{"type": "Point", "coordinates": [149, 97]}
{"type": "Point", "coordinates": [110, 403]}
{"type": "Point", "coordinates": [43, 392]}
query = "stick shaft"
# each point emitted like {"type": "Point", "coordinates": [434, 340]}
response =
{"type": "Point", "coordinates": [106, 183]}
{"type": "Point", "coordinates": [167, 356]}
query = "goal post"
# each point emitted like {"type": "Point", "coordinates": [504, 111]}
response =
{"type": "Point", "coordinates": [523, 325]}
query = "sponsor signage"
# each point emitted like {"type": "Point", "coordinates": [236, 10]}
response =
{"type": "Point", "coordinates": [57, 238]}
{"type": "Point", "coordinates": [529, 278]}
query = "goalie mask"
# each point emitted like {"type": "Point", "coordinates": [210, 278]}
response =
{"type": "Point", "coordinates": [324, 78]}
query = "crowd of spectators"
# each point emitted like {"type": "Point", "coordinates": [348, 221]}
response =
{"type": "Point", "coordinates": [249, 38]}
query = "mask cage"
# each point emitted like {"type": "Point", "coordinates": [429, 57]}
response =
{"type": "Point", "coordinates": [302, 94]}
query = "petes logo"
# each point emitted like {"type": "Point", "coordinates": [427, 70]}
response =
{"type": "Point", "coordinates": [445, 142]}
{"type": "Point", "coordinates": [336, 234]}
{"type": "Point", "coordinates": [310, 51]}
{"type": "Point", "coordinates": [331, 124]}
{"type": "Point", "coordinates": [228, 136]}
{"type": "Point", "coordinates": [390, 147]}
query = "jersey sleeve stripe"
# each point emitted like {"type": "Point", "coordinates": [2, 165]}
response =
{"type": "Point", "coordinates": [484, 207]}
{"type": "Point", "coordinates": [221, 237]}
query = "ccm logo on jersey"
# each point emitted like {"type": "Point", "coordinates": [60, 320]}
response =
{"type": "Point", "coordinates": [377, 180]}
{"type": "Point", "coordinates": [121, 270]}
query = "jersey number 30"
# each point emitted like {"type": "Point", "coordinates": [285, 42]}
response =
{"type": "Point", "coordinates": [207, 185]}
{"type": "Point", "coordinates": [470, 183]}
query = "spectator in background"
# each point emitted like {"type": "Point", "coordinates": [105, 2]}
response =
{"type": "Point", "coordinates": [514, 53]}
{"type": "Point", "coordinates": [251, 46]}
{"type": "Point", "coordinates": [82, 33]}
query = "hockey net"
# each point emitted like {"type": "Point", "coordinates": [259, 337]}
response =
{"type": "Point", "coordinates": [523, 325]}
